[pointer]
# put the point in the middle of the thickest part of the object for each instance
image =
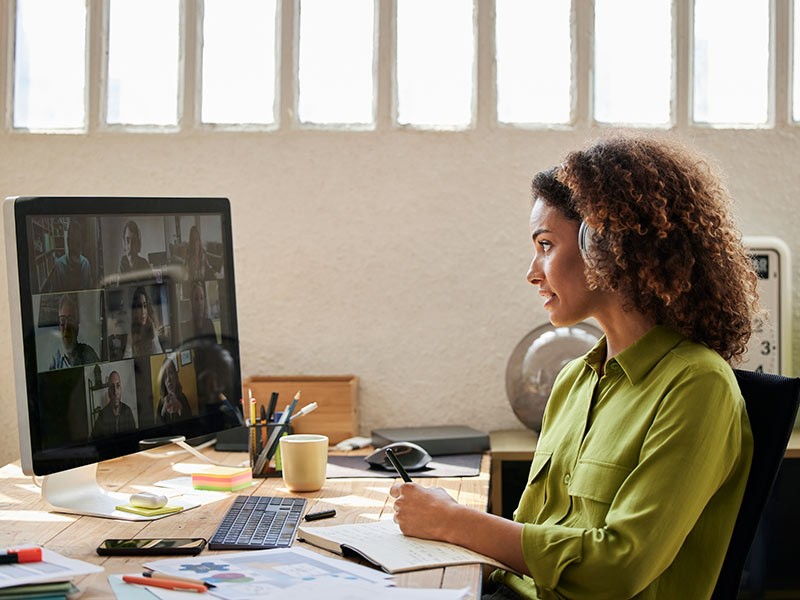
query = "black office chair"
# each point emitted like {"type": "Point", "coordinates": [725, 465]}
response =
{"type": "Point", "coordinates": [771, 402]}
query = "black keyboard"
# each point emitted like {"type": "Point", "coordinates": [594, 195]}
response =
{"type": "Point", "coordinates": [257, 523]}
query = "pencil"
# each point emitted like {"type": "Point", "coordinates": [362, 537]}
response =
{"type": "Point", "coordinates": [253, 439]}
{"type": "Point", "coordinates": [160, 575]}
{"type": "Point", "coordinates": [169, 584]}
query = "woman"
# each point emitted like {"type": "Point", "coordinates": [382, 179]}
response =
{"type": "Point", "coordinates": [199, 325]}
{"type": "Point", "coordinates": [130, 261]}
{"type": "Point", "coordinates": [645, 446]}
{"type": "Point", "coordinates": [143, 338]}
{"type": "Point", "coordinates": [197, 264]}
{"type": "Point", "coordinates": [173, 404]}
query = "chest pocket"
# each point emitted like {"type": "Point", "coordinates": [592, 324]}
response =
{"type": "Point", "coordinates": [596, 480]}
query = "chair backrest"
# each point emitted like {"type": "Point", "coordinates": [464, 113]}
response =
{"type": "Point", "coordinates": [771, 402]}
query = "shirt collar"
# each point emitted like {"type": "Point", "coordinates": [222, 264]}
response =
{"type": "Point", "coordinates": [641, 356]}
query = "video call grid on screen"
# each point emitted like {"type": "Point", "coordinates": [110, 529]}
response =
{"type": "Point", "coordinates": [128, 302]}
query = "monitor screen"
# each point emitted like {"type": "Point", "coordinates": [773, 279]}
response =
{"type": "Point", "coordinates": [127, 314]}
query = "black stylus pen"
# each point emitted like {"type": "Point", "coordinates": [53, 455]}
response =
{"type": "Point", "coordinates": [396, 464]}
{"type": "Point", "coordinates": [323, 514]}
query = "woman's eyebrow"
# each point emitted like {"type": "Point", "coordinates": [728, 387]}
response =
{"type": "Point", "coordinates": [539, 232]}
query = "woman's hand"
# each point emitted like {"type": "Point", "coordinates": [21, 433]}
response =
{"type": "Point", "coordinates": [171, 404]}
{"type": "Point", "coordinates": [423, 512]}
{"type": "Point", "coordinates": [431, 514]}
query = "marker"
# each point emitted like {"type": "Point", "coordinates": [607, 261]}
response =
{"type": "Point", "coordinates": [303, 411]}
{"type": "Point", "coordinates": [23, 555]}
{"type": "Point", "coordinates": [273, 403]}
{"type": "Point", "coordinates": [165, 583]}
{"type": "Point", "coordinates": [323, 514]}
{"type": "Point", "coordinates": [168, 577]}
{"type": "Point", "coordinates": [396, 464]}
{"type": "Point", "coordinates": [252, 408]}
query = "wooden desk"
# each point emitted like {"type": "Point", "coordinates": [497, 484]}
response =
{"type": "Point", "coordinates": [25, 519]}
{"type": "Point", "coordinates": [520, 444]}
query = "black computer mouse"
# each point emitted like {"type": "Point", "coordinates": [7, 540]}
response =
{"type": "Point", "coordinates": [410, 455]}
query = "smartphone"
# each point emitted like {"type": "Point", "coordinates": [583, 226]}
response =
{"type": "Point", "coordinates": [151, 547]}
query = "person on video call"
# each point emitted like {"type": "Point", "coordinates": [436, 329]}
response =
{"type": "Point", "coordinates": [173, 405]}
{"type": "Point", "coordinates": [197, 264]}
{"type": "Point", "coordinates": [130, 261]}
{"type": "Point", "coordinates": [645, 446]}
{"type": "Point", "coordinates": [115, 416]}
{"type": "Point", "coordinates": [143, 338]}
{"type": "Point", "coordinates": [71, 271]}
{"type": "Point", "coordinates": [72, 352]}
{"type": "Point", "coordinates": [199, 325]}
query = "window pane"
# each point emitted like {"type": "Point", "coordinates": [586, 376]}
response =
{"type": "Point", "coordinates": [336, 58]}
{"type": "Point", "coordinates": [239, 61]}
{"type": "Point", "coordinates": [50, 64]}
{"type": "Point", "coordinates": [143, 53]}
{"type": "Point", "coordinates": [435, 62]}
{"type": "Point", "coordinates": [533, 61]}
{"type": "Point", "coordinates": [633, 61]}
{"type": "Point", "coordinates": [731, 61]}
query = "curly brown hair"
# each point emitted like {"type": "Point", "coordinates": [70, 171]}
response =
{"type": "Point", "coordinates": [663, 236]}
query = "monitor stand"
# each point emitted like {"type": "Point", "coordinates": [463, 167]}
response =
{"type": "Point", "coordinates": [180, 441]}
{"type": "Point", "coordinates": [77, 492]}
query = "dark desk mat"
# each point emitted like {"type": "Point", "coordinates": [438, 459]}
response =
{"type": "Point", "coordinates": [452, 465]}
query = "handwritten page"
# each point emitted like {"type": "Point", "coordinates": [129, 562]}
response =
{"type": "Point", "coordinates": [383, 543]}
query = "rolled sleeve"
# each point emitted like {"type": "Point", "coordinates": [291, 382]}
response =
{"type": "Point", "coordinates": [548, 550]}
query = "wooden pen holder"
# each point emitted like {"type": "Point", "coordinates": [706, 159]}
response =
{"type": "Point", "coordinates": [260, 434]}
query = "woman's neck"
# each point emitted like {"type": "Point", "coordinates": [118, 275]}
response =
{"type": "Point", "coordinates": [623, 330]}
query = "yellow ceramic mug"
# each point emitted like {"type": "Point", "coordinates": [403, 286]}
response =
{"type": "Point", "coordinates": [304, 460]}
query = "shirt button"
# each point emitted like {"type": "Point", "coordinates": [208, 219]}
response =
{"type": "Point", "coordinates": [567, 479]}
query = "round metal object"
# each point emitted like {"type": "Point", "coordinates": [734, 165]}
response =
{"type": "Point", "coordinates": [535, 362]}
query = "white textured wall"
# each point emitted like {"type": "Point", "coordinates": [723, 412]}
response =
{"type": "Point", "coordinates": [397, 256]}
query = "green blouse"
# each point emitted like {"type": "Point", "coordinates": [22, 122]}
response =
{"type": "Point", "coordinates": [638, 475]}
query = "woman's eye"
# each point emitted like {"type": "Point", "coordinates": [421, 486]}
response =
{"type": "Point", "coordinates": [544, 245]}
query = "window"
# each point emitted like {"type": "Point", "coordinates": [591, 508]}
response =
{"type": "Point", "coordinates": [336, 61]}
{"type": "Point", "coordinates": [731, 61]}
{"type": "Point", "coordinates": [435, 63]}
{"type": "Point", "coordinates": [50, 65]}
{"type": "Point", "coordinates": [143, 51]}
{"type": "Point", "coordinates": [77, 64]}
{"type": "Point", "coordinates": [534, 61]}
{"type": "Point", "coordinates": [632, 61]}
{"type": "Point", "coordinates": [239, 62]}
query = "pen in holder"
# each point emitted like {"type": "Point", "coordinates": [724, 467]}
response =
{"type": "Point", "coordinates": [265, 460]}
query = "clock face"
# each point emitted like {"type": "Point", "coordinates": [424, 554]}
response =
{"type": "Point", "coordinates": [764, 349]}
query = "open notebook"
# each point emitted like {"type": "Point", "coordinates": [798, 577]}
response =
{"type": "Point", "coordinates": [383, 544]}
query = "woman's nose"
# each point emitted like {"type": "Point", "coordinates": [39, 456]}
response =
{"type": "Point", "coordinates": [534, 277]}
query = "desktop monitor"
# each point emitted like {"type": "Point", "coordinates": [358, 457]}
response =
{"type": "Point", "coordinates": [123, 322]}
